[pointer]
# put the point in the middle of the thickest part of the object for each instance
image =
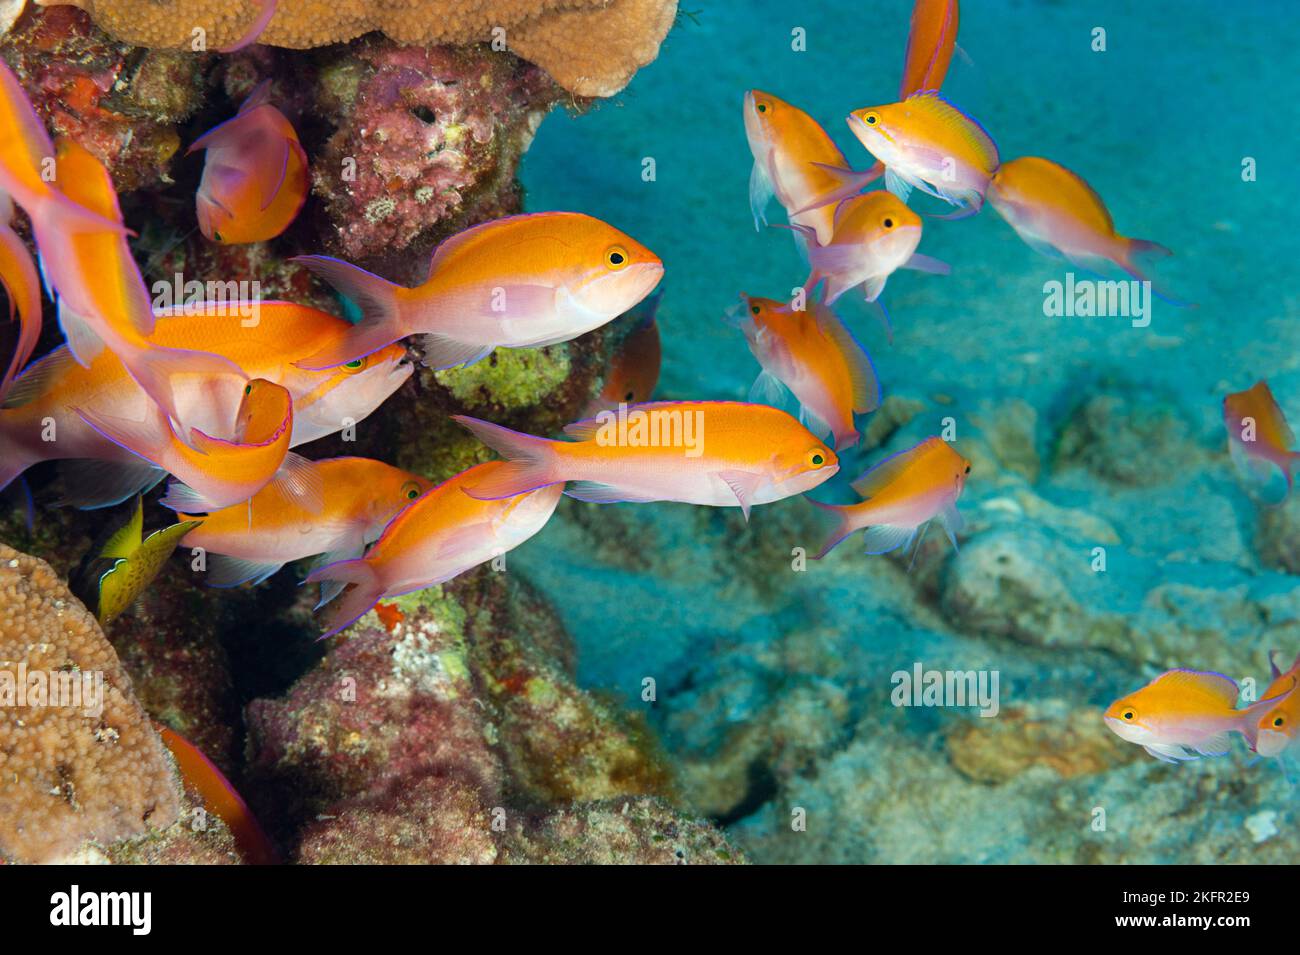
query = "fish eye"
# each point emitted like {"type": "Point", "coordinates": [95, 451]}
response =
{"type": "Point", "coordinates": [871, 119]}
{"type": "Point", "coordinates": [1278, 721]}
{"type": "Point", "coordinates": [616, 257]}
{"type": "Point", "coordinates": [410, 490]}
{"type": "Point", "coordinates": [888, 223]}
{"type": "Point", "coordinates": [816, 457]}
{"type": "Point", "coordinates": [355, 365]}
{"type": "Point", "coordinates": [248, 389]}
{"type": "Point", "coordinates": [762, 107]}
{"type": "Point", "coordinates": [755, 309]}
{"type": "Point", "coordinates": [1127, 714]}
{"type": "Point", "coordinates": [216, 235]}
{"type": "Point", "coordinates": [629, 396]}
{"type": "Point", "coordinates": [968, 469]}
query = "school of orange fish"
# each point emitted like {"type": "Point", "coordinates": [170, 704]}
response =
{"type": "Point", "coordinates": [217, 403]}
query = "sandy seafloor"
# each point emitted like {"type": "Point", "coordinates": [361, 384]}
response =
{"type": "Point", "coordinates": [773, 686]}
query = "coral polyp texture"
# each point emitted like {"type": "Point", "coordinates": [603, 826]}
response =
{"type": "Point", "coordinates": [591, 47]}
{"type": "Point", "coordinates": [71, 773]}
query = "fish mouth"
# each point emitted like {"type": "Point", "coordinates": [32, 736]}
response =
{"type": "Point", "coordinates": [1132, 732]}
{"type": "Point", "coordinates": [861, 129]}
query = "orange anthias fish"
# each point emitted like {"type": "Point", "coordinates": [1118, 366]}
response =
{"type": "Point", "coordinates": [634, 369]}
{"type": "Point", "coordinates": [102, 296]}
{"type": "Point", "coordinates": [214, 473]}
{"type": "Point", "coordinates": [443, 534]}
{"type": "Point", "coordinates": [255, 176]}
{"type": "Point", "coordinates": [875, 235]}
{"type": "Point", "coordinates": [44, 397]}
{"type": "Point", "coordinates": [250, 542]}
{"type": "Point", "coordinates": [930, 46]}
{"type": "Point", "coordinates": [795, 161]}
{"type": "Point", "coordinates": [1058, 214]}
{"type": "Point", "coordinates": [1275, 732]}
{"type": "Point", "coordinates": [1184, 714]}
{"type": "Point", "coordinates": [927, 143]}
{"type": "Point", "coordinates": [220, 798]}
{"type": "Point", "coordinates": [714, 453]}
{"type": "Point", "coordinates": [22, 285]}
{"type": "Point", "coordinates": [1259, 438]}
{"type": "Point", "coordinates": [811, 352]}
{"type": "Point", "coordinates": [903, 494]}
{"type": "Point", "coordinates": [521, 281]}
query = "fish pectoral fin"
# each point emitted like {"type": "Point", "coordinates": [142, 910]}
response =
{"type": "Point", "coordinates": [768, 389]}
{"type": "Point", "coordinates": [745, 485]}
{"type": "Point", "coordinates": [883, 538]}
{"type": "Point", "coordinates": [925, 263]}
{"type": "Point", "coordinates": [182, 498]}
{"type": "Point", "coordinates": [89, 484]}
{"type": "Point", "coordinates": [299, 481]}
{"type": "Point", "coordinates": [83, 341]}
{"type": "Point", "coordinates": [440, 351]}
{"type": "Point", "coordinates": [593, 492]}
{"type": "Point", "coordinates": [225, 571]}
{"type": "Point", "coordinates": [952, 521]}
{"type": "Point", "coordinates": [760, 194]}
{"type": "Point", "coordinates": [1218, 745]}
{"type": "Point", "coordinates": [897, 184]}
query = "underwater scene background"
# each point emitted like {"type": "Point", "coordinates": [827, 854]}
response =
{"type": "Point", "coordinates": [662, 682]}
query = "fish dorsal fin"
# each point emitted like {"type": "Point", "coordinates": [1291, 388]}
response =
{"type": "Point", "coordinates": [1202, 682]}
{"type": "Point", "coordinates": [125, 541]}
{"type": "Point", "coordinates": [40, 377]}
{"type": "Point", "coordinates": [862, 375]}
{"type": "Point", "coordinates": [937, 106]}
{"type": "Point", "coordinates": [889, 470]}
{"type": "Point", "coordinates": [1275, 410]}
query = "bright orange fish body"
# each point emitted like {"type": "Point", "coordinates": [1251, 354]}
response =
{"type": "Point", "coordinates": [443, 534]}
{"type": "Point", "coordinates": [1059, 215]}
{"type": "Point", "coordinates": [1184, 714]}
{"type": "Point", "coordinates": [1259, 438]}
{"type": "Point", "coordinates": [522, 281]}
{"type": "Point", "coordinates": [927, 143]}
{"type": "Point", "coordinates": [249, 542]}
{"type": "Point", "coordinates": [255, 176]}
{"type": "Point", "coordinates": [903, 494]}
{"type": "Point", "coordinates": [713, 453]}
{"type": "Point", "coordinates": [38, 421]}
{"type": "Point", "coordinates": [813, 353]}
{"type": "Point", "coordinates": [795, 161]}
{"type": "Point", "coordinates": [22, 285]}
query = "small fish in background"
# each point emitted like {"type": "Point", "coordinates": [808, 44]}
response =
{"type": "Point", "coordinates": [927, 143]}
{"type": "Point", "coordinates": [247, 543]}
{"type": "Point", "coordinates": [904, 493]}
{"type": "Point", "coordinates": [220, 798]}
{"type": "Point", "coordinates": [1059, 215]}
{"type": "Point", "coordinates": [875, 235]}
{"type": "Point", "coordinates": [1275, 732]}
{"type": "Point", "coordinates": [114, 574]}
{"type": "Point", "coordinates": [634, 369]}
{"type": "Point", "coordinates": [1183, 715]}
{"type": "Point", "coordinates": [255, 175]}
{"type": "Point", "coordinates": [98, 473]}
{"type": "Point", "coordinates": [713, 453]}
{"type": "Point", "coordinates": [22, 286]}
{"type": "Point", "coordinates": [812, 353]}
{"type": "Point", "coordinates": [443, 534]}
{"type": "Point", "coordinates": [1259, 439]}
{"type": "Point", "coordinates": [103, 301]}
{"type": "Point", "coordinates": [930, 46]}
{"type": "Point", "coordinates": [521, 281]}
{"type": "Point", "coordinates": [213, 473]}
{"type": "Point", "coordinates": [795, 161]}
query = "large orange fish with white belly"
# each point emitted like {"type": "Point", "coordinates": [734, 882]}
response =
{"type": "Point", "coordinates": [440, 536]}
{"type": "Point", "coordinates": [903, 494]}
{"type": "Point", "coordinates": [251, 541]}
{"type": "Point", "coordinates": [1184, 714]}
{"type": "Point", "coordinates": [713, 453]}
{"type": "Point", "coordinates": [1059, 215]}
{"type": "Point", "coordinates": [38, 420]}
{"type": "Point", "coordinates": [813, 354]}
{"type": "Point", "coordinates": [522, 281]}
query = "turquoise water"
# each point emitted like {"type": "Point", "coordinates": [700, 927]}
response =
{"type": "Point", "coordinates": [1159, 124]}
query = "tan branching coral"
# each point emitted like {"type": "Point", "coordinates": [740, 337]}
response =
{"type": "Point", "coordinates": [77, 764]}
{"type": "Point", "coordinates": [591, 47]}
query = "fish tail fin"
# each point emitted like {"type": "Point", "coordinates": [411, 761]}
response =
{"type": "Point", "coordinates": [530, 461]}
{"type": "Point", "coordinates": [380, 301]}
{"type": "Point", "coordinates": [154, 370]}
{"type": "Point", "coordinates": [22, 285]}
{"type": "Point", "coordinates": [364, 590]}
{"type": "Point", "coordinates": [848, 183]}
{"type": "Point", "coordinates": [836, 523]}
{"type": "Point", "coordinates": [1138, 257]}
